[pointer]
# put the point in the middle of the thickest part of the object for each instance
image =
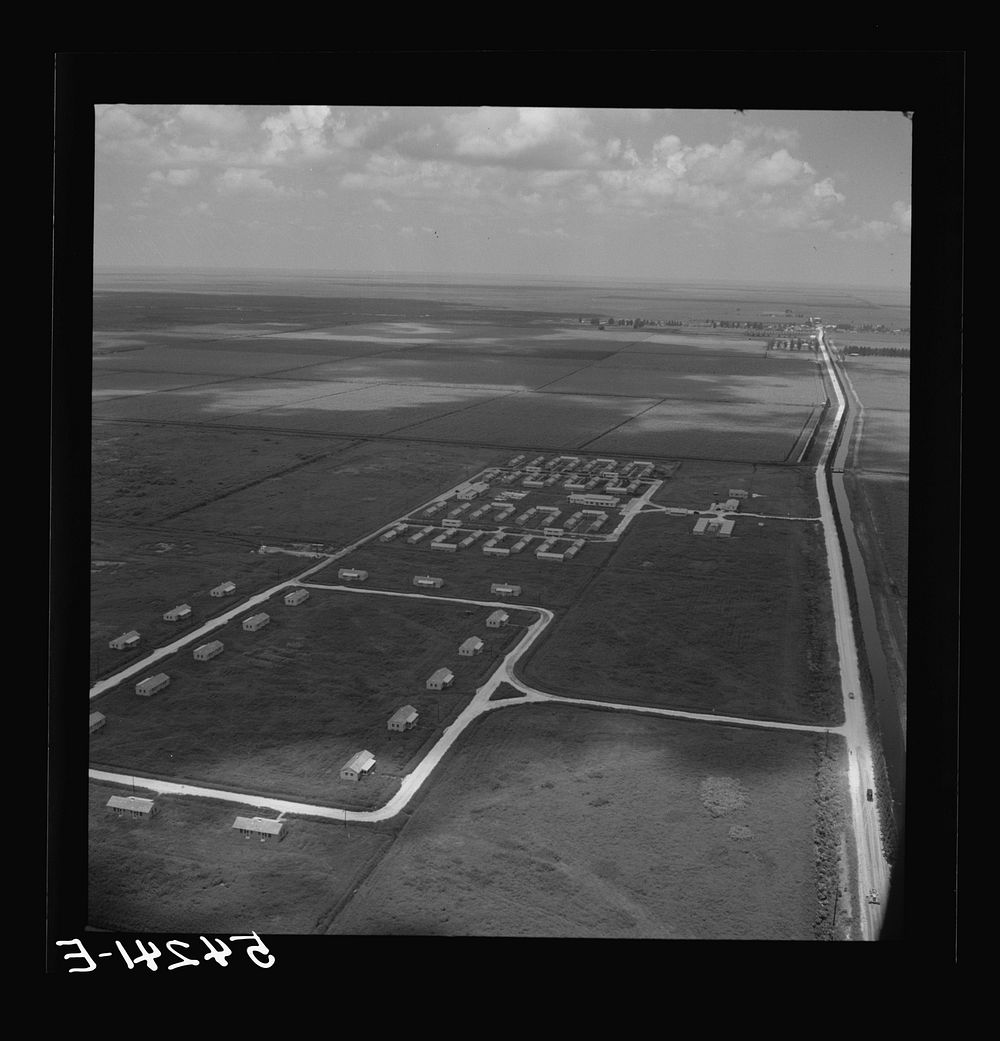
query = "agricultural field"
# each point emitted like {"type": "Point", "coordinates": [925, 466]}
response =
{"type": "Point", "coordinates": [702, 430]}
{"type": "Point", "coordinates": [880, 383]}
{"type": "Point", "coordinates": [885, 442]}
{"type": "Point", "coordinates": [188, 871]}
{"type": "Point", "coordinates": [340, 496]}
{"type": "Point", "coordinates": [280, 710]}
{"type": "Point", "coordinates": [566, 822]}
{"type": "Point", "coordinates": [740, 626]}
{"type": "Point", "coordinates": [136, 577]}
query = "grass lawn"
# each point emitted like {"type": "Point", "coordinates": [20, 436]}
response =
{"type": "Point", "coordinates": [557, 821]}
{"type": "Point", "coordinates": [779, 490]}
{"type": "Point", "coordinates": [188, 871]}
{"type": "Point", "coordinates": [282, 709]}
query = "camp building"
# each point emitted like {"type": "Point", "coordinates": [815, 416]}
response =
{"type": "Point", "coordinates": [427, 581]}
{"type": "Point", "coordinates": [125, 641]}
{"type": "Point", "coordinates": [404, 718]}
{"type": "Point", "coordinates": [131, 805]}
{"type": "Point", "coordinates": [223, 589]}
{"type": "Point", "coordinates": [152, 684]}
{"type": "Point", "coordinates": [175, 614]}
{"type": "Point", "coordinates": [97, 720]}
{"type": "Point", "coordinates": [498, 619]}
{"type": "Point", "coordinates": [208, 650]}
{"type": "Point", "coordinates": [505, 589]}
{"type": "Point", "coordinates": [357, 766]}
{"type": "Point", "coordinates": [440, 679]}
{"type": "Point", "coordinates": [263, 827]}
{"type": "Point", "coordinates": [256, 621]}
{"type": "Point", "coordinates": [352, 574]}
{"type": "Point", "coordinates": [296, 596]}
{"type": "Point", "coordinates": [472, 646]}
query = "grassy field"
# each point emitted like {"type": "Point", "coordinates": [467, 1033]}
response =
{"type": "Point", "coordinates": [885, 442]}
{"type": "Point", "coordinates": [779, 490]}
{"type": "Point", "coordinates": [741, 626]}
{"type": "Point", "coordinates": [282, 709]}
{"type": "Point", "coordinates": [562, 822]}
{"type": "Point", "coordinates": [135, 578]}
{"type": "Point", "coordinates": [188, 871]}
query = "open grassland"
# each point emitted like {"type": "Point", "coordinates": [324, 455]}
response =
{"type": "Point", "coordinates": [556, 821]}
{"type": "Point", "coordinates": [135, 578]}
{"type": "Point", "coordinates": [188, 871]}
{"type": "Point", "coordinates": [341, 496]}
{"type": "Point", "coordinates": [144, 472]}
{"type": "Point", "coordinates": [469, 573]}
{"type": "Point", "coordinates": [780, 490]}
{"type": "Point", "coordinates": [699, 430]}
{"type": "Point", "coordinates": [282, 709]}
{"type": "Point", "coordinates": [741, 626]}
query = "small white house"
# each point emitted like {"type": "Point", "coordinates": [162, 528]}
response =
{"type": "Point", "coordinates": [223, 589]}
{"type": "Point", "coordinates": [208, 650]}
{"type": "Point", "coordinates": [131, 805]}
{"type": "Point", "coordinates": [125, 642]}
{"type": "Point", "coordinates": [357, 766]}
{"type": "Point", "coordinates": [498, 619]}
{"type": "Point", "coordinates": [256, 621]}
{"type": "Point", "coordinates": [471, 647]}
{"type": "Point", "coordinates": [262, 827]}
{"type": "Point", "coordinates": [404, 718]}
{"type": "Point", "coordinates": [152, 684]}
{"type": "Point", "coordinates": [296, 596]}
{"type": "Point", "coordinates": [97, 720]}
{"type": "Point", "coordinates": [175, 614]}
{"type": "Point", "coordinates": [440, 679]}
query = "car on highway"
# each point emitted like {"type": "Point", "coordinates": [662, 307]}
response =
{"type": "Point", "coordinates": [869, 796]}
{"type": "Point", "coordinates": [850, 694]}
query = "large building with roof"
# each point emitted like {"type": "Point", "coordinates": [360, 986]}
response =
{"type": "Point", "coordinates": [152, 684]}
{"type": "Point", "coordinates": [131, 806]}
{"type": "Point", "coordinates": [125, 642]}
{"type": "Point", "coordinates": [263, 828]}
{"type": "Point", "coordinates": [440, 679]}
{"type": "Point", "coordinates": [223, 589]}
{"type": "Point", "coordinates": [256, 621]}
{"type": "Point", "coordinates": [505, 589]}
{"type": "Point", "coordinates": [470, 647]}
{"type": "Point", "coordinates": [428, 581]}
{"type": "Point", "coordinates": [498, 619]}
{"type": "Point", "coordinates": [175, 614]}
{"type": "Point", "coordinates": [208, 650]}
{"type": "Point", "coordinates": [296, 596]}
{"type": "Point", "coordinates": [357, 766]}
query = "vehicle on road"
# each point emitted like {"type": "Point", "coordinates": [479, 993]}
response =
{"type": "Point", "coordinates": [869, 796]}
{"type": "Point", "coordinates": [850, 694]}
{"type": "Point", "coordinates": [873, 896]}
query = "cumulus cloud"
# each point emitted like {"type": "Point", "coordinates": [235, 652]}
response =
{"type": "Point", "coordinates": [174, 178]}
{"type": "Point", "coordinates": [243, 179]}
{"type": "Point", "coordinates": [216, 119]}
{"type": "Point", "coordinates": [298, 132]}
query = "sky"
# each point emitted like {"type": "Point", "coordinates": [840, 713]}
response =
{"type": "Point", "coordinates": [645, 194]}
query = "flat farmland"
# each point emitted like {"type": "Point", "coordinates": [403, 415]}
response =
{"type": "Point", "coordinates": [780, 490]}
{"type": "Point", "coordinates": [135, 578]}
{"type": "Point", "coordinates": [469, 573]}
{"type": "Point", "coordinates": [558, 821]}
{"type": "Point", "coordinates": [885, 442]}
{"type": "Point", "coordinates": [741, 626]}
{"type": "Point", "coordinates": [341, 496]}
{"type": "Point", "coordinates": [880, 383]}
{"type": "Point", "coordinates": [559, 421]}
{"type": "Point", "coordinates": [702, 430]}
{"type": "Point", "coordinates": [282, 709]}
{"type": "Point", "coordinates": [201, 359]}
{"type": "Point", "coordinates": [143, 472]}
{"type": "Point", "coordinates": [188, 871]}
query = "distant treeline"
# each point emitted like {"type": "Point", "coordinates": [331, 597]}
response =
{"type": "Point", "coordinates": [853, 348]}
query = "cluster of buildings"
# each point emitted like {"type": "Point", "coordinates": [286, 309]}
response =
{"type": "Point", "coordinates": [720, 524]}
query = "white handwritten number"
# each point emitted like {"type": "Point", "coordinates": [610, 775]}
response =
{"type": "Point", "coordinates": [220, 955]}
{"type": "Point", "coordinates": [183, 959]}
{"type": "Point", "coordinates": [82, 953]}
{"type": "Point", "coordinates": [253, 948]}
{"type": "Point", "coordinates": [149, 957]}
